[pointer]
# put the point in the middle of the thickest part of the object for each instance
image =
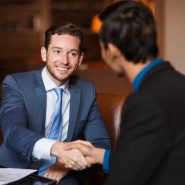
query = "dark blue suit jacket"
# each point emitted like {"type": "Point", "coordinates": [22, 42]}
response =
{"type": "Point", "coordinates": [23, 112]}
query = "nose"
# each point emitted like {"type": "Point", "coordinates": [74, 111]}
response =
{"type": "Point", "coordinates": [65, 59]}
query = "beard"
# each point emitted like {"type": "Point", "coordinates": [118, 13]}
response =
{"type": "Point", "coordinates": [54, 76]}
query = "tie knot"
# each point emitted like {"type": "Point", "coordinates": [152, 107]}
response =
{"type": "Point", "coordinates": [58, 91]}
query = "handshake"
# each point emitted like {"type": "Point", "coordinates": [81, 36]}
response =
{"type": "Point", "coordinates": [77, 155]}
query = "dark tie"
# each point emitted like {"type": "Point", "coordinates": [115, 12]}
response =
{"type": "Point", "coordinates": [55, 131]}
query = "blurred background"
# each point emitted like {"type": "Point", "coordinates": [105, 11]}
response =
{"type": "Point", "coordinates": [23, 22]}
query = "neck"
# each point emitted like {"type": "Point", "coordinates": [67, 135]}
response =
{"type": "Point", "coordinates": [132, 69]}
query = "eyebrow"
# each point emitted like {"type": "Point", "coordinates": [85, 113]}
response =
{"type": "Point", "coordinates": [55, 47]}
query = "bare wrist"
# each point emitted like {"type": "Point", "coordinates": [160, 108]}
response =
{"type": "Point", "coordinates": [99, 155]}
{"type": "Point", "coordinates": [56, 149]}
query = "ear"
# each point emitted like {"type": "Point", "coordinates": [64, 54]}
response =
{"type": "Point", "coordinates": [114, 51]}
{"type": "Point", "coordinates": [43, 54]}
{"type": "Point", "coordinates": [80, 59]}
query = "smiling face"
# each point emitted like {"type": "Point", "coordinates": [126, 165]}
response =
{"type": "Point", "coordinates": [62, 57]}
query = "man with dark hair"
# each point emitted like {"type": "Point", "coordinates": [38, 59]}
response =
{"type": "Point", "coordinates": [42, 110]}
{"type": "Point", "coordinates": [151, 149]}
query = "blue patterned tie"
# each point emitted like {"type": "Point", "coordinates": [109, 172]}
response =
{"type": "Point", "coordinates": [55, 131]}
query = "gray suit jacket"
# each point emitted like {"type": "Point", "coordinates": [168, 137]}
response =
{"type": "Point", "coordinates": [23, 112]}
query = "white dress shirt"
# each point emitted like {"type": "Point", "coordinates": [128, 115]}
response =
{"type": "Point", "coordinates": [43, 146]}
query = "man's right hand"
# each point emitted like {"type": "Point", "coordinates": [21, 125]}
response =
{"type": "Point", "coordinates": [92, 154]}
{"type": "Point", "coordinates": [72, 158]}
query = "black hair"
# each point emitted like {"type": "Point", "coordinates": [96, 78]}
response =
{"type": "Point", "coordinates": [130, 26]}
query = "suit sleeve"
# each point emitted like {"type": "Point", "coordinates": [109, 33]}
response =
{"type": "Point", "coordinates": [95, 130]}
{"type": "Point", "coordinates": [143, 144]}
{"type": "Point", "coordinates": [13, 120]}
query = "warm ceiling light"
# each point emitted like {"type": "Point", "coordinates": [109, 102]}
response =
{"type": "Point", "coordinates": [95, 24]}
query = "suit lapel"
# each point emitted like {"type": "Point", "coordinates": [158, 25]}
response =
{"type": "Point", "coordinates": [41, 101]}
{"type": "Point", "coordinates": [74, 107]}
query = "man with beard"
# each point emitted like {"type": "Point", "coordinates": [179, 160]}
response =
{"type": "Point", "coordinates": [42, 110]}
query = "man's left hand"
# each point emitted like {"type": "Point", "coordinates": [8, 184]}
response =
{"type": "Point", "coordinates": [56, 172]}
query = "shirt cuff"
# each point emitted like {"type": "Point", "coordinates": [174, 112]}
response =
{"type": "Point", "coordinates": [106, 161]}
{"type": "Point", "coordinates": [42, 149]}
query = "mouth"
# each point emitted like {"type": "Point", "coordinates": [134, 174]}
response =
{"type": "Point", "coordinates": [62, 69]}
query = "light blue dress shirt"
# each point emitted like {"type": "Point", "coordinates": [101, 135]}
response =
{"type": "Point", "coordinates": [43, 146]}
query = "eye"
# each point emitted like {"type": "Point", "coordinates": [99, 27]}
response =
{"type": "Point", "coordinates": [73, 53]}
{"type": "Point", "coordinates": [57, 51]}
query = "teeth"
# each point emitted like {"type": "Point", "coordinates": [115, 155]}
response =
{"type": "Point", "coordinates": [62, 68]}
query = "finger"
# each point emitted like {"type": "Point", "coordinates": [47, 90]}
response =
{"type": "Point", "coordinates": [46, 174]}
{"type": "Point", "coordinates": [75, 144]}
{"type": "Point", "coordinates": [80, 161]}
{"type": "Point", "coordinates": [83, 142]}
{"type": "Point", "coordinates": [49, 175]}
{"type": "Point", "coordinates": [61, 161]}
{"type": "Point", "coordinates": [70, 146]}
{"type": "Point", "coordinates": [74, 165]}
{"type": "Point", "coordinates": [84, 149]}
{"type": "Point", "coordinates": [74, 159]}
{"type": "Point", "coordinates": [71, 166]}
{"type": "Point", "coordinates": [58, 179]}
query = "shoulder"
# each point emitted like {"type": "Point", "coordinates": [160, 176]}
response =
{"type": "Point", "coordinates": [143, 112]}
{"type": "Point", "coordinates": [86, 87]}
{"type": "Point", "coordinates": [23, 79]}
{"type": "Point", "coordinates": [81, 82]}
{"type": "Point", "coordinates": [23, 76]}
{"type": "Point", "coordinates": [142, 103]}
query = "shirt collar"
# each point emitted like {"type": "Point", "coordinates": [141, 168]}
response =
{"type": "Point", "coordinates": [138, 79]}
{"type": "Point", "coordinates": [50, 85]}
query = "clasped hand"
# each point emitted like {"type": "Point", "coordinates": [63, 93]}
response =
{"type": "Point", "coordinates": [75, 155]}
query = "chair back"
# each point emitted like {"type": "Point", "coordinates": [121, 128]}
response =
{"type": "Point", "coordinates": [111, 108]}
